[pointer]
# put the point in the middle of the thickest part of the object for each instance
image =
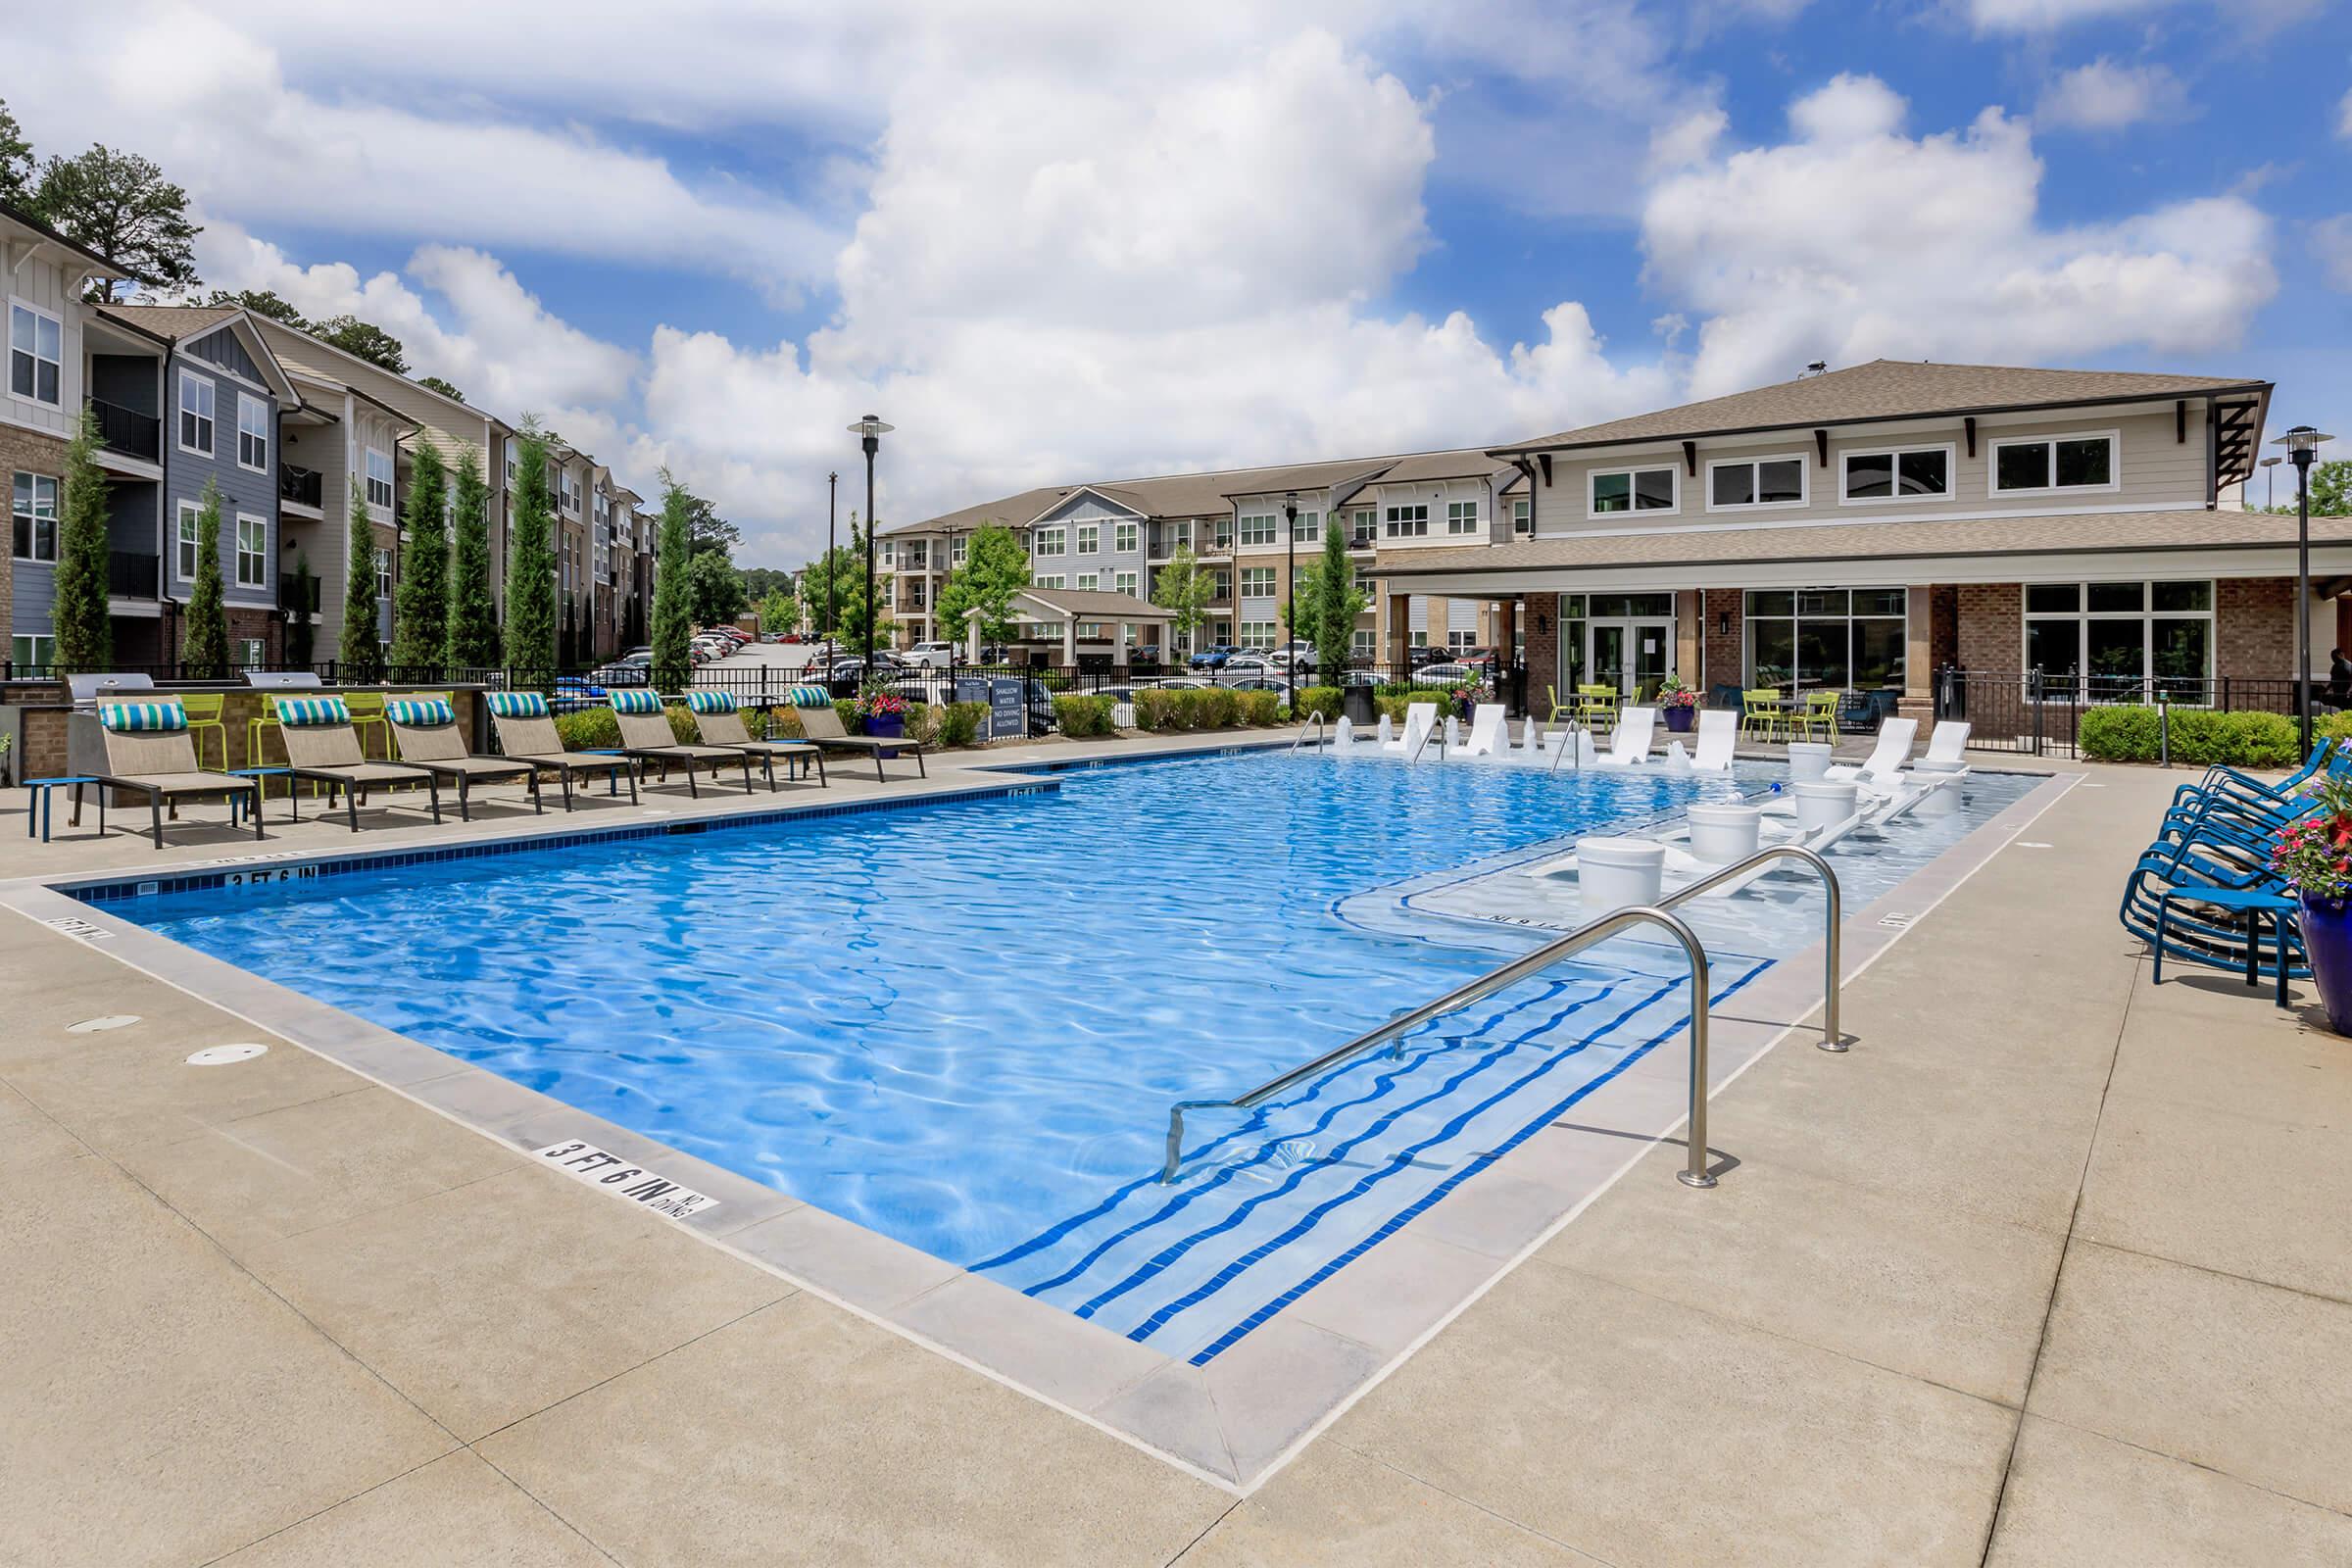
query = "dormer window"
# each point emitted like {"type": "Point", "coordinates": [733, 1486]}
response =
{"type": "Point", "coordinates": [2053, 465]}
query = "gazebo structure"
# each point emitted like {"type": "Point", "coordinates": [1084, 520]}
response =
{"type": "Point", "coordinates": [1083, 614]}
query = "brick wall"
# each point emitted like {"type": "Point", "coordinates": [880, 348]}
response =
{"type": "Point", "coordinates": [2254, 629]}
{"type": "Point", "coordinates": [1540, 621]}
{"type": "Point", "coordinates": [1726, 648]}
{"type": "Point", "coordinates": [23, 452]}
{"type": "Point", "coordinates": [1988, 626]}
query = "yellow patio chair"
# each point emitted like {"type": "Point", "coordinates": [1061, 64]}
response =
{"type": "Point", "coordinates": [1818, 719]}
{"type": "Point", "coordinates": [1758, 721]}
{"type": "Point", "coordinates": [257, 728]}
{"type": "Point", "coordinates": [367, 713]}
{"type": "Point", "coordinates": [1596, 707]}
{"type": "Point", "coordinates": [204, 711]}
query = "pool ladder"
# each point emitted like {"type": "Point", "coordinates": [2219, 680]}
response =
{"type": "Point", "coordinates": [1694, 1172]}
{"type": "Point", "coordinates": [1313, 721]}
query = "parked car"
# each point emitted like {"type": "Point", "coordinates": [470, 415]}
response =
{"type": "Point", "coordinates": [634, 668]}
{"type": "Point", "coordinates": [1144, 657]}
{"type": "Point", "coordinates": [931, 656]}
{"type": "Point", "coordinates": [1291, 654]}
{"type": "Point", "coordinates": [1245, 664]}
{"type": "Point", "coordinates": [573, 694]}
{"type": "Point", "coordinates": [1258, 683]}
{"type": "Point", "coordinates": [1214, 657]}
{"type": "Point", "coordinates": [1452, 674]}
{"type": "Point", "coordinates": [733, 634]}
{"type": "Point", "coordinates": [845, 676]}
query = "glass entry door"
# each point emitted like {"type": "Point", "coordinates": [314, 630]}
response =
{"type": "Point", "coordinates": [1633, 655]}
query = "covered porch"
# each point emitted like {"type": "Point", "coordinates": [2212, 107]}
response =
{"type": "Point", "coordinates": [1076, 623]}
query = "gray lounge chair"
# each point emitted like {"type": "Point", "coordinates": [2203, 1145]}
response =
{"type": "Point", "coordinates": [719, 722]}
{"type": "Point", "coordinates": [645, 735]}
{"type": "Point", "coordinates": [526, 733]}
{"type": "Point", "coordinates": [822, 726]}
{"type": "Point", "coordinates": [322, 748]}
{"type": "Point", "coordinates": [148, 748]}
{"type": "Point", "coordinates": [425, 729]}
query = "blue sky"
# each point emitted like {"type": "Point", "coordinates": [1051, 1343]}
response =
{"type": "Point", "coordinates": [1055, 240]}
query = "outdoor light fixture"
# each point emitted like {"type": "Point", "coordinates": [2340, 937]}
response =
{"type": "Point", "coordinates": [2301, 443]}
{"type": "Point", "coordinates": [872, 429]}
{"type": "Point", "coordinates": [832, 493]}
{"type": "Point", "coordinates": [1289, 586]}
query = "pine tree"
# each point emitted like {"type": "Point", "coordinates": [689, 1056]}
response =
{"type": "Point", "coordinates": [299, 632]}
{"type": "Point", "coordinates": [207, 651]}
{"type": "Point", "coordinates": [473, 609]}
{"type": "Point", "coordinates": [532, 566]}
{"type": "Point", "coordinates": [673, 588]}
{"type": "Point", "coordinates": [420, 620]}
{"type": "Point", "coordinates": [362, 649]}
{"type": "Point", "coordinates": [85, 636]}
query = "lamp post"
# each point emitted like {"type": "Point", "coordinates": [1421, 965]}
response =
{"type": "Point", "coordinates": [2301, 443]}
{"type": "Point", "coordinates": [1289, 583]}
{"type": "Point", "coordinates": [832, 495]}
{"type": "Point", "coordinates": [870, 431]}
{"type": "Point", "coordinates": [2269, 483]}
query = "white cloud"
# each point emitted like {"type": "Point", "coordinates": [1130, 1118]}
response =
{"type": "Point", "coordinates": [2343, 116]}
{"type": "Point", "coordinates": [2047, 16]}
{"type": "Point", "coordinates": [2106, 96]}
{"type": "Point", "coordinates": [1855, 241]}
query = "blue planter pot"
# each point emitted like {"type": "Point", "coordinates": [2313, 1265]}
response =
{"type": "Point", "coordinates": [1680, 720]}
{"type": "Point", "coordinates": [2328, 945]}
{"type": "Point", "coordinates": [887, 726]}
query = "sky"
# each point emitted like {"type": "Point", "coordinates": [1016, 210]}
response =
{"type": "Point", "coordinates": [1055, 240]}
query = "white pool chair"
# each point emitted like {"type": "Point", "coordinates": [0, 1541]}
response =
{"type": "Point", "coordinates": [1949, 742]}
{"type": "Point", "coordinates": [1629, 744]}
{"type": "Point", "coordinates": [1420, 719]}
{"type": "Point", "coordinates": [1718, 729]}
{"type": "Point", "coordinates": [1887, 758]}
{"type": "Point", "coordinates": [1487, 734]}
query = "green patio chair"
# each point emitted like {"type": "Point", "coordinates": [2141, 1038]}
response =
{"type": "Point", "coordinates": [1817, 720]}
{"type": "Point", "coordinates": [1760, 722]}
{"type": "Point", "coordinates": [204, 711]}
{"type": "Point", "coordinates": [1596, 707]}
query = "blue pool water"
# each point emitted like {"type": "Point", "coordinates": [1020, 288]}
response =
{"type": "Point", "coordinates": [963, 1024]}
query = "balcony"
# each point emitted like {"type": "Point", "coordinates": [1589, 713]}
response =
{"type": "Point", "coordinates": [301, 487]}
{"type": "Point", "coordinates": [129, 574]}
{"type": "Point", "coordinates": [298, 591]}
{"type": "Point", "coordinates": [126, 431]}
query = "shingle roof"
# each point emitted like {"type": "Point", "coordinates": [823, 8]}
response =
{"type": "Point", "coordinates": [174, 321]}
{"type": "Point", "coordinates": [2066, 534]}
{"type": "Point", "coordinates": [23, 218]}
{"type": "Point", "coordinates": [1886, 389]}
{"type": "Point", "coordinates": [1087, 604]}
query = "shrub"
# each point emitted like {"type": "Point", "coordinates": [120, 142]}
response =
{"type": "Point", "coordinates": [594, 729]}
{"type": "Point", "coordinates": [1082, 716]}
{"type": "Point", "coordinates": [1215, 707]}
{"type": "Point", "coordinates": [1260, 708]}
{"type": "Point", "coordinates": [847, 708]}
{"type": "Point", "coordinates": [959, 723]}
{"type": "Point", "coordinates": [2199, 737]}
{"type": "Point", "coordinates": [1157, 709]}
{"type": "Point", "coordinates": [1324, 700]}
{"type": "Point", "coordinates": [1404, 697]}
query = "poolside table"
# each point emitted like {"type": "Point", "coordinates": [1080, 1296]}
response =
{"type": "Point", "coordinates": [236, 803]}
{"type": "Point", "coordinates": [44, 793]}
{"type": "Point", "coordinates": [2253, 904]}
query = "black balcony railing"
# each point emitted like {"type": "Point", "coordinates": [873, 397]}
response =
{"type": "Point", "coordinates": [303, 486]}
{"type": "Point", "coordinates": [130, 575]}
{"type": "Point", "coordinates": [298, 591]}
{"type": "Point", "coordinates": [127, 431]}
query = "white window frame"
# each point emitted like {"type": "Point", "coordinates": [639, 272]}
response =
{"type": "Point", "coordinates": [1259, 528]}
{"type": "Point", "coordinates": [956, 551]}
{"type": "Point", "coordinates": [258, 554]}
{"type": "Point", "coordinates": [1523, 517]}
{"type": "Point", "coordinates": [1089, 582]}
{"type": "Point", "coordinates": [34, 517]}
{"type": "Point", "coordinates": [1952, 475]}
{"type": "Point", "coordinates": [1088, 540]}
{"type": "Point", "coordinates": [390, 481]}
{"type": "Point", "coordinates": [1593, 476]}
{"type": "Point", "coordinates": [38, 315]}
{"type": "Point", "coordinates": [1253, 575]}
{"type": "Point", "coordinates": [2147, 614]}
{"type": "Point", "coordinates": [1407, 519]}
{"type": "Point", "coordinates": [1054, 541]}
{"type": "Point", "coordinates": [39, 648]}
{"type": "Point", "coordinates": [1259, 635]}
{"type": "Point", "coordinates": [383, 572]}
{"type": "Point", "coordinates": [1305, 527]}
{"type": "Point", "coordinates": [1058, 582]}
{"type": "Point", "coordinates": [246, 403]}
{"type": "Point", "coordinates": [186, 537]}
{"type": "Point", "coordinates": [1126, 582]}
{"type": "Point", "coordinates": [1126, 538]}
{"type": "Point", "coordinates": [206, 414]}
{"type": "Point", "coordinates": [1804, 482]}
{"type": "Point", "coordinates": [252, 652]}
{"type": "Point", "coordinates": [2115, 465]}
{"type": "Point", "coordinates": [1461, 519]}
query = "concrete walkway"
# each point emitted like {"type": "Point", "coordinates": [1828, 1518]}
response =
{"type": "Point", "coordinates": [2050, 1269]}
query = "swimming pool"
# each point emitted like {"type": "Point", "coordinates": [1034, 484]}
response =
{"type": "Point", "coordinates": [961, 1024]}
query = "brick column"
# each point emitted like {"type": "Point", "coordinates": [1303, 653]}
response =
{"type": "Point", "coordinates": [1690, 635]}
{"type": "Point", "coordinates": [1400, 629]}
{"type": "Point", "coordinates": [1724, 611]}
{"type": "Point", "coordinates": [1543, 611]}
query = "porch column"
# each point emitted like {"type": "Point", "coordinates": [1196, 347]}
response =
{"type": "Point", "coordinates": [1919, 654]}
{"type": "Point", "coordinates": [1401, 628]}
{"type": "Point", "coordinates": [971, 638]}
{"type": "Point", "coordinates": [1689, 637]}
{"type": "Point", "coordinates": [1069, 642]}
{"type": "Point", "coordinates": [1119, 641]}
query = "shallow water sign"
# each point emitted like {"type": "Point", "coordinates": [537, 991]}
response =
{"type": "Point", "coordinates": [585, 1162]}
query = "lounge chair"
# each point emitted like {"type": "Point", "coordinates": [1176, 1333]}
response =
{"type": "Point", "coordinates": [1420, 722]}
{"type": "Point", "coordinates": [1948, 742]}
{"type": "Point", "coordinates": [1718, 731]}
{"type": "Point", "coordinates": [323, 748]}
{"type": "Point", "coordinates": [526, 733]}
{"type": "Point", "coordinates": [1629, 745]}
{"type": "Point", "coordinates": [148, 748]}
{"type": "Point", "coordinates": [719, 722]}
{"type": "Point", "coordinates": [1878, 772]}
{"type": "Point", "coordinates": [1487, 737]}
{"type": "Point", "coordinates": [426, 734]}
{"type": "Point", "coordinates": [646, 737]}
{"type": "Point", "coordinates": [822, 727]}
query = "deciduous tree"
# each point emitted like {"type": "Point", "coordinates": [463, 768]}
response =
{"type": "Point", "coordinates": [1182, 589]}
{"type": "Point", "coordinates": [995, 569]}
{"type": "Point", "coordinates": [121, 206]}
{"type": "Point", "coordinates": [364, 339]}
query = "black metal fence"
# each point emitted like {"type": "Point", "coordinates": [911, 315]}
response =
{"type": "Point", "coordinates": [2040, 713]}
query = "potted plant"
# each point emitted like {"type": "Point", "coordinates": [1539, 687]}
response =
{"type": "Point", "coordinates": [882, 712]}
{"type": "Point", "coordinates": [2312, 855]}
{"type": "Point", "coordinates": [1681, 705]}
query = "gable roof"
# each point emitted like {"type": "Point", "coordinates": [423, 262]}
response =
{"type": "Point", "coordinates": [1887, 389]}
{"type": "Point", "coordinates": [112, 268]}
{"type": "Point", "coordinates": [184, 323]}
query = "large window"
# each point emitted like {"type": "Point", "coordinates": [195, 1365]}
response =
{"type": "Point", "coordinates": [1126, 582]}
{"type": "Point", "coordinates": [37, 355]}
{"type": "Point", "coordinates": [1257, 582]}
{"type": "Point", "coordinates": [1743, 482]}
{"type": "Point", "coordinates": [1257, 528]}
{"type": "Point", "coordinates": [1523, 518]}
{"type": "Point", "coordinates": [195, 414]}
{"type": "Point", "coordinates": [1089, 582]}
{"type": "Point", "coordinates": [1363, 525]}
{"type": "Point", "coordinates": [252, 433]}
{"type": "Point", "coordinates": [253, 551]}
{"type": "Point", "coordinates": [1833, 637]}
{"type": "Point", "coordinates": [379, 478]}
{"type": "Point", "coordinates": [1259, 634]}
{"type": "Point", "coordinates": [1900, 473]}
{"type": "Point", "coordinates": [1461, 517]}
{"type": "Point", "coordinates": [1127, 537]}
{"type": "Point", "coordinates": [1307, 527]}
{"type": "Point", "coordinates": [32, 649]}
{"type": "Point", "coordinates": [2055, 465]}
{"type": "Point", "coordinates": [1052, 542]}
{"type": "Point", "coordinates": [1632, 490]}
{"type": "Point", "coordinates": [1089, 538]}
{"type": "Point", "coordinates": [33, 515]}
{"type": "Point", "coordinates": [2121, 641]}
{"type": "Point", "coordinates": [1407, 523]}
{"type": "Point", "coordinates": [184, 556]}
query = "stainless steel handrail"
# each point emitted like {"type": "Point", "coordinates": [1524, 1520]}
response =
{"type": "Point", "coordinates": [1390, 1034]}
{"type": "Point", "coordinates": [1316, 718]}
{"type": "Point", "coordinates": [1436, 729]}
{"type": "Point", "coordinates": [1572, 743]}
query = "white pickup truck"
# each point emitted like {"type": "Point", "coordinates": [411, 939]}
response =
{"type": "Point", "coordinates": [930, 656]}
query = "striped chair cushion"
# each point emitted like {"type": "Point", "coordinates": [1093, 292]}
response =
{"type": "Point", "coordinates": [427, 714]}
{"type": "Point", "coordinates": [301, 712]}
{"type": "Point", "coordinates": [636, 699]}
{"type": "Point", "coordinates": [710, 702]}
{"type": "Point", "coordinates": [811, 697]}
{"type": "Point", "coordinates": [518, 705]}
{"type": "Point", "coordinates": [127, 718]}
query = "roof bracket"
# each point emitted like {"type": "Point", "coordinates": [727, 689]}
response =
{"type": "Point", "coordinates": [1543, 461]}
{"type": "Point", "coordinates": [2180, 422]}
{"type": "Point", "coordinates": [1690, 459]}
{"type": "Point", "coordinates": [1970, 426]}
{"type": "Point", "coordinates": [1821, 444]}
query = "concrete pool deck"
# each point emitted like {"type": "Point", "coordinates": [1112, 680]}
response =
{"type": "Point", "coordinates": [2049, 1263]}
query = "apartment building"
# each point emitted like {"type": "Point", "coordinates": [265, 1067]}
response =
{"type": "Point", "coordinates": [1252, 530]}
{"type": "Point", "coordinates": [1867, 527]}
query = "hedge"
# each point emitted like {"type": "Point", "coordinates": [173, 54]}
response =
{"type": "Point", "coordinates": [1393, 705]}
{"type": "Point", "coordinates": [2200, 737]}
{"type": "Point", "coordinates": [1183, 707]}
{"type": "Point", "coordinates": [1082, 716]}
{"type": "Point", "coordinates": [1324, 700]}
{"type": "Point", "coordinates": [959, 723]}
{"type": "Point", "coordinates": [1260, 708]}
{"type": "Point", "coordinates": [594, 729]}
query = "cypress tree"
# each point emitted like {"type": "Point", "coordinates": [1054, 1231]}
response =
{"type": "Point", "coordinates": [85, 635]}
{"type": "Point", "coordinates": [531, 567]}
{"type": "Point", "coordinates": [673, 589]}
{"type": "Point", "coordinates": [206, 655]}
{"type": "Point", "coordinates": [472, 608]}
{"type": "Point", "coordinates": [299, 630]}
{"type": "Point", "coordinates": [420, 621]}
{"type": "Point", "coordinates": [362, 650]}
